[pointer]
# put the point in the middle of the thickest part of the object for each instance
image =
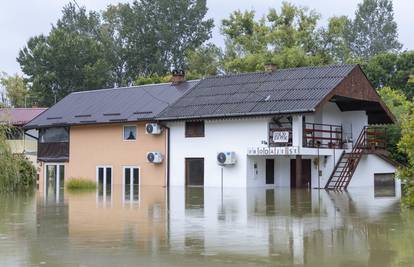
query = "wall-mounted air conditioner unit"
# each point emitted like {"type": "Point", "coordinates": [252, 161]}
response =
{"type": "Point", "coordinates": [153, 128]}
{"type": "Point", "coordinates": [154, 157]}
{"type": "Point", "coordinates": [226, 158]}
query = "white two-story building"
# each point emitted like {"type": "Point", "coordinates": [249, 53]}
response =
{"type": "Point", "coordinates": [302, 127]}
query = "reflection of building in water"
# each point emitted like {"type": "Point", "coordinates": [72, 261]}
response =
{"type": "Point", "coordinates": [116, 218]}
{"type": "Point", "coordinates": [289, 227]}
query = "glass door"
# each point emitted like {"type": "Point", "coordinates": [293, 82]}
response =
{"type": "Point", "coordinates": [54, 181]}
{"type": "Point", "coordinates": [131, 184]}
{"type": "Point", "coordinates": [104, 181]}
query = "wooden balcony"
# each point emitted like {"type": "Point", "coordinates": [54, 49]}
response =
{"type": "Point", "coordinates": [318, 135]}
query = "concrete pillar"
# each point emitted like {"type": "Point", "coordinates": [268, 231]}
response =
{"type": "Point", "coordinates": [297, 130]}
{"type": "Point", "coordinates": [299, 171]}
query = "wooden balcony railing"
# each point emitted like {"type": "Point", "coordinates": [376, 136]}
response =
{"type": "Point", "coordinates": [317, 135]}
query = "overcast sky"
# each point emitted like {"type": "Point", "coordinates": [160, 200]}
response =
{"type": "Point", "coordinates": [21, 19]}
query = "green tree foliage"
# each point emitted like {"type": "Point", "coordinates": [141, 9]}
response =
{"type": "Point", "coordinates": [399, 105]}
{"type": "Point", "coordinates": [391, 69]}
{"type": "Point", "coordinates": [17, 173]}
{"type": "Point", "coordinates": [334, 40]}
{"type": "Point", "coordinates": [16, 90]}
{"type": "Point", "coordinates": [157, 34]}
{"type": "Point", "coordinates": [203, 61]}
{"type": "Point", "coordinates": [406, 146]}
{"type": "Point", "coordinates": [289, 38]}
{"type": "Point", "coordinates": [71, 58]}
{"type": "Point", "coordinates": [91, 50]}
{"type": "Point", "coordinates": [373, 30]}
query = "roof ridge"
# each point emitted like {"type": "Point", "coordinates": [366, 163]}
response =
{"type": "Point", "coordinates": [285, 69]}
{"type": "Point", "coordinates": [128, 87]}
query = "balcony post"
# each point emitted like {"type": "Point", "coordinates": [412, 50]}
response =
{"type": "Point", "coordinates": [297, 130]}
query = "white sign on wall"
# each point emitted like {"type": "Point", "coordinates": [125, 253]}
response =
{"type": "Point", "coordinates": [280, 137]}
{"type": "Point", "coordinates": [264, 151]}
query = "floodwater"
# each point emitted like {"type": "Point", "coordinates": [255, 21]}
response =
{"type": "Point", "coordinates": [254, 227]}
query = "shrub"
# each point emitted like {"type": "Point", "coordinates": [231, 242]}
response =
{"type": "Point", "coordinates": [16, 171]}
{"type": "Point", "coordinates": [77, 184]}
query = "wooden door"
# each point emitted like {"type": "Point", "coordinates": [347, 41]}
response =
{"type": "Point", "coordinates": [194, 171]}
{"type": "Point", "coordinates": [306, 174]}
{"type": "Point", "coordinates": [270, 171]}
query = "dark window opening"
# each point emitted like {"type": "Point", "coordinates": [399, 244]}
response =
{"type": "Point", "coordinates": [194, 129]}
{"type": "Point", "coordinates": [54, 135]}
{"type": "Point", "coordinates": [130, 133]}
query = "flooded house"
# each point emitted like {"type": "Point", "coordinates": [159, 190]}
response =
{"type": "Point", "coordinates": [311, 127]}
{"type": "Point", "coordinates": [21, 141]}
{"type": "Point", "coordinates": [108, 136]}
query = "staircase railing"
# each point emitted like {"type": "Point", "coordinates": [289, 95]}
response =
{"type": "Point", "coordinates": [369, 138]}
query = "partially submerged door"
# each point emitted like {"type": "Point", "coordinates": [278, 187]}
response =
{"type": "Point", "coordinates": [54, 180]}
{"type": "Point", "coordinates": [194, 171]}
{"type": "Point", "coordinates": [305, 180]}
{"type": "Point", "coordinates": [270, 171]}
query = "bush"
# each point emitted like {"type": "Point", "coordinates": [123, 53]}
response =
{"type": "Point", "coordinates": [16, 171]}
{"type": "Point", "coordinates": [77, 184]}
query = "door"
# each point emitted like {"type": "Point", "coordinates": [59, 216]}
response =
{"type": "Point", "coordinates": [104, 181]}
{"type": "Point", "coordinates": [270, 171]}
{"type": "Point", "coordinates": [306, 174]}
{"type": "Point", "coordinates": [194, 171]}
{"type": "Point", "coordinates": [54, 180]}
{"type": "Point", "coordinates": [131, 184]}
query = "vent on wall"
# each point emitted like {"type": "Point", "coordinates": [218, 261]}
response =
{"type": "Point", "coordinates": [112, 114]}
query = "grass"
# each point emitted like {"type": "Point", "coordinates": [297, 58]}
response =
{"type": "Point", "coordinates": [80, 184]}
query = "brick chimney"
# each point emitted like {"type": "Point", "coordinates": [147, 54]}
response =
{"type": "Point", "coordinates": [178, 76]}
{"type": "Point", "coordinates": [270, 67]}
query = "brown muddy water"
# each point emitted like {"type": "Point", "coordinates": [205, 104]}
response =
{"type": "Point", "coordinates": [195, 227]}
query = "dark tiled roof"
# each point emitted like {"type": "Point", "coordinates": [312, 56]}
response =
{"type": "Point", "coordinates": [111, 105]}
{"type": "Point", "coordinates": [282, 91]}
{"type": "Point", "coordinates": [19, 116]}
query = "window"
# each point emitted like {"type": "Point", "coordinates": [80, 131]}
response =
{"type": "Point", "coordinates": [194, 129]}
{"type": "Point", "coordinates": [130, 133]}
{"type": "Point", "coordinates": [104, 181]}
{"type": "Point", "coordinates": [131, 184]}
{"type": "Point", "coordinates": [54, 135]}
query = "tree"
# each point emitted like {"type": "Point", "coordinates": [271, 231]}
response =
{"type": "Point", "coordinates": [391, 69]}
{"type": "Point", "coordinates": [71, 58]}
{"type": "Point", "coordinates": [373, 30]}
{"type": "Point", "coordinates": [334, 39]}
{"type": "Point", "coordinates": [399, 105]}
{"type": "Point", "coordinates": [289, 38]}
{"type": "Point", "coordinates": [159, 33]}
{"type": "Point", "coordinates": [15, 90]}
{"type": "Point", "coordinates": [203, 61]}
{"type": "Point", "coordinates": [406, 146]}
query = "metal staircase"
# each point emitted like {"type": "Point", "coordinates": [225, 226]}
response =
{"type": "Point", "coordinates": [369, 141]}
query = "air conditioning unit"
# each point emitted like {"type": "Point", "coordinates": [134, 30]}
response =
{"type": "Point", "coordinates": [226, 158]}
{"type": "Point", "coordinates": [153, 128]}
{"type": "Point", "coordinates": [154, 157]}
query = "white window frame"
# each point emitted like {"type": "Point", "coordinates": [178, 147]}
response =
{"type": "Point", "coordinates": [131, 186]}
{"type": "Point", "coordinates": [136, 133]}
{"type": "Point", "coordinates": [57, 182]}
{"type": "Point", "coordinates": [104, 181]}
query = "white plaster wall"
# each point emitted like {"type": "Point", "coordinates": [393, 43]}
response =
{"type": "Point", "coordinates": [351, 121]}
{"type": "Point", "coordinates": [367, 167]}
{"type": "Point", "coordinates": [220, 135]}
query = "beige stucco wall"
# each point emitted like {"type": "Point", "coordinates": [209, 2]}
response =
{"type": "Point", "coordinates": [103, 145]}
{"type": "Point", "coordinates": [91, 146]}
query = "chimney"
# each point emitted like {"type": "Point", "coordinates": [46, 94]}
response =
{"type": "Point", "coordinates": [178, 76]}
{"type": "Point", "coordinates": [270, 67]}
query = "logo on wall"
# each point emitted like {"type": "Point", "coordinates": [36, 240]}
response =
{"type": "Point", "coordinates": [280, 137]}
